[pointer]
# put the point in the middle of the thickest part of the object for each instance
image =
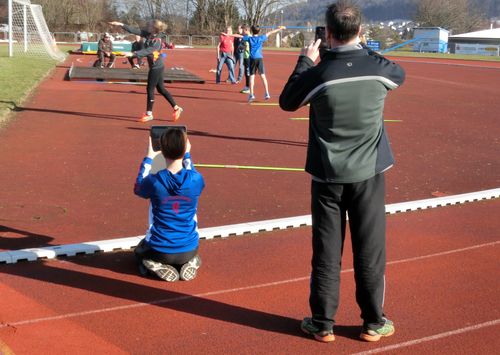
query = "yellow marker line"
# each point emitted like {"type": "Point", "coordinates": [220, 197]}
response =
{"type": "Point", "coordinates": [266, 104]}
{"type": "Point", "coordinates": [307, 119]}
{"type": "Point", "coordinates": [247, 167]}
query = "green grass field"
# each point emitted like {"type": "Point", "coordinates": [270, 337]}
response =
{"type": "Point", "coordinates": [441, 56]}
{"type": "Point", "coordinates": [19, 75]}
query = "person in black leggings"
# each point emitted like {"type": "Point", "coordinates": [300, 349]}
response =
{"type": "Point", "coordinates": [137, 45]}
{"type": "Point", "coordinates": [152, 52]}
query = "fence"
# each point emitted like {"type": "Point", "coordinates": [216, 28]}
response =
{"type": "Point", "coordinates": [293, 37]}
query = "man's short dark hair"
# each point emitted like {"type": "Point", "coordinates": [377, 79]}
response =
{"type": "Point", "coordinates": [343, 20]}
{"type": "Point", "coordinates": [255, 29]}
{"type": "Point", "coordinates": [173, 143]}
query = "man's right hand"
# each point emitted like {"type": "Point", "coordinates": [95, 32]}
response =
{"type": "Point", "coordinates": [312, 50]}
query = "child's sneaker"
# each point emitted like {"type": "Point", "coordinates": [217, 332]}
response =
{"type": "Point", "coordinates": [245, 90]}
{"type": "Point", "coordinates": [177, 113]}
{"type": "Point", "coordinates": [189, 269]}
{"type": "Point", "coordinates": [375, 335]}
{"type": "Point", "coordinates": [163, 271]}
{"type": "Point", "coordinates": [251, 98]}
{"type": "Point", "coordinates": [325, 336]}
{"type": "Point", "coordinates": [267, 96]}
{"type": "Point", "coordinates": [146, 117]}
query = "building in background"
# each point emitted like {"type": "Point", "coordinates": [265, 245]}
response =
{"type": "Point", "coordinates": [430, 39]}
{"type": "Point", "coordinates": [485, 42]}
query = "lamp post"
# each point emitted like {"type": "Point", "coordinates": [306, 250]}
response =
{"type": "Point", "coordinates": [187, 16]}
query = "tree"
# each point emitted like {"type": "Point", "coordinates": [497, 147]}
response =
{"type": "Point", "coordinates": [212, 16]}
{"type": "Point", "coordinates": [458, 16]}
{"type": "Point", "coordinates": [256, 10]}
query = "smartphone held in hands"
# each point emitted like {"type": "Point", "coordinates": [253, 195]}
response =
{"type": "Point", "coordinates": [320, 33]}
{"type": "Point", "coordinates": [157, 131]}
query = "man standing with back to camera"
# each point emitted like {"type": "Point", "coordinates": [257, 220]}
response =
{"type": "Point", "coordinates": [347, 155]}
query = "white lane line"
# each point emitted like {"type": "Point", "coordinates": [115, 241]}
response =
{"type": "Point", "coordinates": [226, 291]}
{"type": "Point", "coordinates": [431, 337]}
{"type": "Point", "coordinates": [416, 258]}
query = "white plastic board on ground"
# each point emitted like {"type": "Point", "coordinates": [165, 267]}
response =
{"type": "Point", "coordinates": [33, 254]}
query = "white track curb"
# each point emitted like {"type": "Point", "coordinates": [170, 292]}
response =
{"type": "Point", "coordinates": [33, 254]}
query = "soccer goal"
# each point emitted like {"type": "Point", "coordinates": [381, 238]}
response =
{"type": "Point", "coordinates": [28, 32]}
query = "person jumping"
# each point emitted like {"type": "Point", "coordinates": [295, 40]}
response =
{"type": "Point", "coordinates": [152, 51]}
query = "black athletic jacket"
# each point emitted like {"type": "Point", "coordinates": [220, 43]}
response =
{"type": "Point", "coordinates": [152, 47]}
{"type": "Point", "coordinates": [346, 92]}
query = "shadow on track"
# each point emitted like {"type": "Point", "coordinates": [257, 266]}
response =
{"type": "Point", "coordinates": [154, 296]}
{"type": "Point", "coordinates": [249, 139]}
{"type": "Point", "coordinates": [179, 96]}
{"type": "Point", "coordinates": [27, 239]}
{"type": "Point", "coordinates": [17, 108]}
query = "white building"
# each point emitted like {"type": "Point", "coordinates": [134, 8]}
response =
{"type": "Point", "coordinates": [485, 42]}
{"type": "Point", "coordinates": [430, 39]}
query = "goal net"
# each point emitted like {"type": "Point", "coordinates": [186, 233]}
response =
{"type": "Point", "coordinates": [30, 35]}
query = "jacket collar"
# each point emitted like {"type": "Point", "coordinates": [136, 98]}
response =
{"type": "Point", "coordinates": [356, 52]}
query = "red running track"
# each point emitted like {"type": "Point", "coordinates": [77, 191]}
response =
{"type": "Point", "coordinates": [71, 153]}
{"type": "Point", "coordinates": [251, 293]}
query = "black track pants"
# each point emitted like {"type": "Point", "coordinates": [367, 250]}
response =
{"type": "Point", "coordinates": [155, 80]}
{"type": "Point", "coordinates": [364, 203]}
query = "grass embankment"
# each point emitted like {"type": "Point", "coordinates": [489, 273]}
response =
{"type": "Point", "coordinates": [19, 75]}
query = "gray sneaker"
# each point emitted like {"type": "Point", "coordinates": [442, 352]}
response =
{"type": "Point", "coordinates": [190, 269]}
{"type": "Point", "coordinates": [324, 336]}
{"type": "Point", "coordinates": [163, 271]}
{"type": "Point", "coordinates": [375, 335]}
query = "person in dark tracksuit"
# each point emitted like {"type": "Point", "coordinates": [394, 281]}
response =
{"type": "Point", "coordinates": [239, 54]}
{"type": "Point", "coordinates": [105, 50]}
{"type": "Point", "coordinates": [348, 153]}
{"type": "Point", "coordinates": [137, 45]}
{"type": "Point", "coordinates": [152, 52]}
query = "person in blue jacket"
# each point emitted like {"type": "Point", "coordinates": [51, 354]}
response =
{"type": "Point", "coordinates": [170, 248]}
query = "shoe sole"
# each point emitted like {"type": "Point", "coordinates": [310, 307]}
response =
{"type": "Point", "coordinates": [373, 338]}
{"type": "Point", "coordinates": [190, 269]}
{"type": "Point", "coordinates": [146, 119]}
{"type": "Point", "coordinates": [164, 272]}
{"type": "Point", "coordinates": [323, 339]}
{"type": "Point", "coordinates": [188, 273]}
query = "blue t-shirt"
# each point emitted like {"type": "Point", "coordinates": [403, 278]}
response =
{"type": "Point", "coordinates": [174, 201]}
{"type": "Point", "coordinates": [255, 45]}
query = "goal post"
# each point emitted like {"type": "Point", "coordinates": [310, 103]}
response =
{"type": "Point", "coordinates": [28, 31]}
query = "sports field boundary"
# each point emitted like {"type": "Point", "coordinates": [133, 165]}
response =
{"type": "Point", "coordinates": [110, 245]}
